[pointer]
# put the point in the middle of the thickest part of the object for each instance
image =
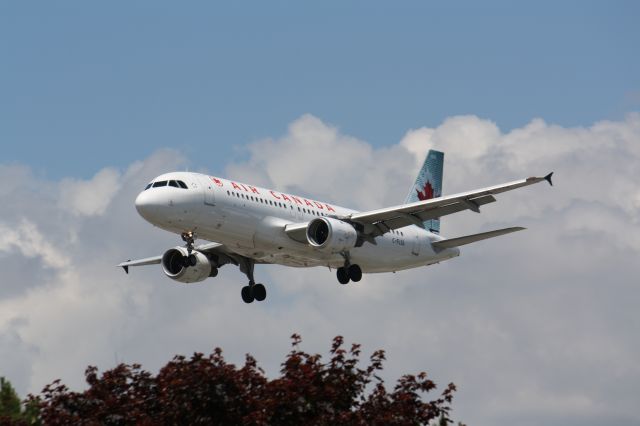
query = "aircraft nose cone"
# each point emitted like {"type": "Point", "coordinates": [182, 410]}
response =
{"type": "Point", "coordinates": [147, 205]}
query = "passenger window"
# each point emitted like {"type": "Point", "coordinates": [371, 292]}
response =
{"type": "Point", "coordinates": [160, 183]}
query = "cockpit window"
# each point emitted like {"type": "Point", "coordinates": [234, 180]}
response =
{"type": "Point", "coordinates": [174, 183]}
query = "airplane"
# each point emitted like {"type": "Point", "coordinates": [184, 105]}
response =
{"type": "Point", "coordinates": [247, 225]}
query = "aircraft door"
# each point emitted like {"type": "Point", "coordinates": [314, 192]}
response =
{"type": "Point", "coordinates": [208, 190]}
{"type": "Point", "coordinates": [415, 250]}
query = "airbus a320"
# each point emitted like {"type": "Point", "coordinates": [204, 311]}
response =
{"type": "Point", "coordinates": [247, 225]}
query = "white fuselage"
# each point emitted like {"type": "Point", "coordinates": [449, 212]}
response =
{"type": "Point", "coordinates": [250, 221]}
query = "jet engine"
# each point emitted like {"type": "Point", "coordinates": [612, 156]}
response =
{"type": "Point", "coordinates": [178, 265]}
{"type": "Point", "coordinates": [331, 235]}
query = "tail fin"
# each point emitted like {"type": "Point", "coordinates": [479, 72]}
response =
{"type": "Point", "coordinates": [428, 184]}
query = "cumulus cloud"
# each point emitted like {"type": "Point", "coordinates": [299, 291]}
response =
{"type": "Point", "coordinates": [27, 239]}
{"type": "Point", "coordinates": [537, 326]}
{"type": "Point", "coordinates": [89, 198]}
{"type": "Point", "coordinates": [314, 159]}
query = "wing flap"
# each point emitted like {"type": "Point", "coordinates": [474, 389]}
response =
{"type": "Point", "coordinates": [468, 239]}
{"type": "Point", "coordinates": [406, 219]}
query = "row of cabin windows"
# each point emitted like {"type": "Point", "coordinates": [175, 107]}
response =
{"type": "Point", "coordinates": [284, 206]}
{"type": "Point", "coordinates": [271, 203]}
{"type": "Point", "coordinates": [174, 183]}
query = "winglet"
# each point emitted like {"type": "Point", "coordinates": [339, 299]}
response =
{"type": "Point", "coordinates": [548, 178]}
{"type": "Point", "coordinates": [125, 267]}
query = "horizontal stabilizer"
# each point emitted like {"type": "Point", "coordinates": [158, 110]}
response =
{"type": "Point", "coordinates": [468, 239]}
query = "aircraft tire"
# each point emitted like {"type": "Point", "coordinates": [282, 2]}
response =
{"type": "Point", "coordinates": [192, 260]}
{"type": "Point", "coordinates": [214, 272]}
{"type": "Point", "coordinates": [355, 273]}
{"type": "Point", "coordinates": [247, 297]}
{"type": "Point", "coordinates": [259, 292]}
{"type": "Point", "coordinates": [343, 275]}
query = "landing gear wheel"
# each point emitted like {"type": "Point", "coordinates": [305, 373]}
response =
{"type": "Point", "coordinates": [214, 272]}
{"type": "Point", "coordinates": [247, 296]}
{"type": "Point", "coordinates": [259, 292]}
{"type": "Point", "coordinates": [355, 273]}
{"type": "Point", "coordinates": [189, 260]}
{"type": "Point", "coordinates": [343, 275]}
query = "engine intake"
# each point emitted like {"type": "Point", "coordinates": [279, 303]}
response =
{"type": "Point", "coordinates": [331, 235]}
{"type": "Point", "coordinates": [173, 265]}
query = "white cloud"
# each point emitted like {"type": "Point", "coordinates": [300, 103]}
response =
{"type": "Point", "coordinates": [92, 197]}
{"type": "Point", "coordinates": [535, 326]}
{"type": "Point", "coordinates": [27, 239]}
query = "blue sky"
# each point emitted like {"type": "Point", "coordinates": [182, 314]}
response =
{"type": "Point", "coordinates": [86, 85]}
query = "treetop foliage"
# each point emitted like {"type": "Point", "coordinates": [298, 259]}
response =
{"type": "Point", "coordinates": [205, 389]}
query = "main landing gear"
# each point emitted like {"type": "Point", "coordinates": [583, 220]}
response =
{"type": "Point", "coordinates": [348, 272]}
{"type": "Point", "coordinates": [252, 291]}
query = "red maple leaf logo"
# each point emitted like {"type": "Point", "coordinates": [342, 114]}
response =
{"type": "Point", "coordinates": [217, 181]}
{"type": "Point", "coordinates": [426, 193]}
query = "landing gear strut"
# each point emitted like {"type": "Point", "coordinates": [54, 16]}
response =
{"type": "Point", "coordinates": [189, 259]}
{"type": "Point", "coordinates": [348, 272]}
{"type": "Point", "coordinates": [252, 291]}
{"type": "Point", "coordinates": [189, 238]}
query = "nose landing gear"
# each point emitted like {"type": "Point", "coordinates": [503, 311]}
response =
{"type": "Point", "coordinates": [189, 259]}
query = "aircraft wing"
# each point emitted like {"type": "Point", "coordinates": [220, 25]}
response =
{"type": "Point", "coordinates": [208, 247]}
{"type": "Point", "coordinates": [378, 222]}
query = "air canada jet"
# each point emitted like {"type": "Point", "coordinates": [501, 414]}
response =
{"type": "Point", "coordinates": [247, 225]}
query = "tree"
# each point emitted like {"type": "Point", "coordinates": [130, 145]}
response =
{"type": "Point", "coordinates": [11, 410]}
{"type": "Point", "coordinates": [9, 400]}
{"type": "Point", "coordinates": [208, 390]}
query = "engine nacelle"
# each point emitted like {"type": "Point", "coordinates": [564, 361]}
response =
{"type": "Point", "coordinates": [173, 266]}
{"type": "Point", "coordinates": [331, 235]}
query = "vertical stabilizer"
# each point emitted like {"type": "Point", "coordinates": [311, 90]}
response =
{"type": "Point", "coordinates": [428, 184]}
